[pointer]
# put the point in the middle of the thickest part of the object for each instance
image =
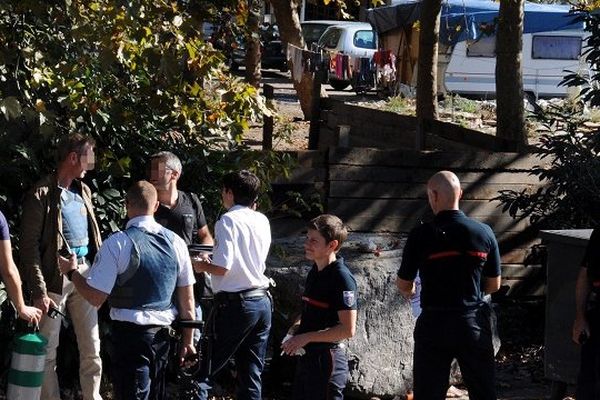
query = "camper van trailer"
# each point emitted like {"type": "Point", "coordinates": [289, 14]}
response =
{"type": "Point", "coordinates": [546, 58]}
{"type": "Point", "coordinates": [553, 38]}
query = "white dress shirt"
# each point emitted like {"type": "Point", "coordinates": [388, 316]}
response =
{"type": "Point", "coordinates": [242, 241]}
{"type": "Point", "coordinates": [113, 259]}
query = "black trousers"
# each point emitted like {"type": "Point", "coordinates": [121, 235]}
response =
{"type": "Point", "coordinates": [321, 374]}
{"type": "Point", "coordinates": [139, 357]}
{"type": "Point", "coordinates": [588, 381]}
{"type": "Point", "coordinates": [441, 336]}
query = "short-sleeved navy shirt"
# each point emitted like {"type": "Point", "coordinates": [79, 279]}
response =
{"type": "Point", "coordinates": [451, 254]}
{"type": "Point", "coordinates": [185, 218]}
{"type": "Point", "coordinates": [4, 235]}
{"type": "Point", "coordinates": [591, 259]}
{"type": "Point", "coordinates": [326, 292]}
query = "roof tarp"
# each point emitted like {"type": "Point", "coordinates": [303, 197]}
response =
{"type": "Point", "coordinates": [469, 19]}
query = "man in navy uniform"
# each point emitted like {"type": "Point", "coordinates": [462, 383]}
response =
{"type": "Point", "coordinates": [458, 262]}
{"type": "Point", "coordinates": [328, 315]}
{"type": "Point", "coordinates": [146, 274]}
{"type": "Point", "coordinates": [586, 328]}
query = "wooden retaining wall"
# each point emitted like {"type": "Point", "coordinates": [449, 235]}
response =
{"type": "Point", "coordinates": [352, 125]}
{"type": "Point", "coordinates": [385, 191]}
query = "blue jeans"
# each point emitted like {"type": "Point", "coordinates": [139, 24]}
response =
{"type": "Point", "coordinates": [441, 336]}
{"type": "Point", "coordinates": [139, 357]}
{"type": "Point", "coordinates": [321, 374]}
{"type": "Point", "coordinates": [241, 330]}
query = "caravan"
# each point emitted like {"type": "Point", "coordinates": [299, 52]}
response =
{"type": "Point", "coordinates": [552, 45]}
{"type": "Point", "coordinates": [546, 57]}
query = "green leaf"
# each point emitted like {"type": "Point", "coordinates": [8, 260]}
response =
{"type": "Point", "coordinates": [10, 107]}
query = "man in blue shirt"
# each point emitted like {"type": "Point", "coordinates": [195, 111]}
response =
{"type": "Point", "coordinates": [458, 262]}
{"type": "Point", "coordinates": [58, 215]}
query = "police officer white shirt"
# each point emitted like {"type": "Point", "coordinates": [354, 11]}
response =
{"type": "Point", "coordinates": [113, 259]}
{"type": "Point", "coordinates": [242, 241]}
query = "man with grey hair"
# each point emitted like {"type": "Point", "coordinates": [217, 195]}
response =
{"type": "Point", "coordinates": [182, 213]}
{"type": "Point", "coordinates": [178, 211]}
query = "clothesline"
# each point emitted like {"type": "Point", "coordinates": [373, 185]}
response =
{"type": "Point", "coordinates": [363, 72]}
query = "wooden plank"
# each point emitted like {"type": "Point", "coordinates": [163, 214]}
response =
{"type": "Point", "coordinates": [339, 172]}
{"type": "Point", "coordinates": [384, 137]}
{"type": "Point", "coordinates": [407, 207]}
{"type": "Point", "coordinates": [479, 160]}
{"type": "Point", "coordinates": [381, 190]}
{"type": "Point", "coordinates": [522, 272]}
{"type": "Point", "coordinates": [528, 255]}
{"type": "Point", "coordinates": [403, 224]}
{"type": "Point", "coordinates": [459, 134]}
{"type": "Point", "coordinates": [525, 287]}
{"type": "Point", "coordinates": [304, 175]}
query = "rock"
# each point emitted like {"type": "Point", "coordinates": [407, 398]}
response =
{"type": "Point", "coordinates": [380, 354]}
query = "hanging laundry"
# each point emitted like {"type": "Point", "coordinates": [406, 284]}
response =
{"type": "Point", "coordinates": [339, 66]}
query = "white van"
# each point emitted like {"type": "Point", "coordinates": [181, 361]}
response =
{"type": "Point", "coordinates": [356, 39]}
{"type": "Point", "coordinates": [313, 30]}
{"type": "Point", "coordinates": [471, 68]}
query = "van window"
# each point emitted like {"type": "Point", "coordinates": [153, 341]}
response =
{"type": "Point", "coordinates": [364, 39]}
{"type": "Point", "coordinates": [556, 47]}
{"type": "Point", "coordinates": [484, 47]}
{"type": "Point", "coordinates": [330, 38]}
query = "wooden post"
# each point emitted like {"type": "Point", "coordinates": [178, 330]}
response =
{"type": "Point", "coordinates": [267, 143]}
{"type": "Point", "coordinates": [315, 119]}
{"type": "Point", "coordinates": [343, 139]}
{"type": "Point", "coordinates": [420, 134]}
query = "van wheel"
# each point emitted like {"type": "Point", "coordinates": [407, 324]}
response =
{"type": "Point", "coordinates": [338, 84]}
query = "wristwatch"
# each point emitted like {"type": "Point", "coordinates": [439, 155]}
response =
{"type": "Point", "coordinates": [69, 274]}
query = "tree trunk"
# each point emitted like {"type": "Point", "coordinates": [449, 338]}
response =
{"type": "Point", "coordinates": [428, 58]}
{"type": "Point", "coordinates": [509, 77]}
{"type": "Point", "coordinates": [288, 20]}
{"type": "Point", "coordinates": [253, 75]}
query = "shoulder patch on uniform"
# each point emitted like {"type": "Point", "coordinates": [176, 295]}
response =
{"type": "Point", "coordinates": [349, 297]}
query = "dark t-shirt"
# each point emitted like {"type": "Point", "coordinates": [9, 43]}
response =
{"type": "Point", "coordinates": [451, 254]}
{"type": "Point", "coordinates": [185, 218]}
{"type": "Point", "coordinates": [4, 235]}
{"type": "Point", "coordinates": [326, 292]}
{"type": "Point", "coordinates": [591, 259]}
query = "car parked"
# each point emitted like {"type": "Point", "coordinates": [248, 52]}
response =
{"type": "Point", "coordinates": [272, 50]}
{"type": "Point", "coordinates": [355, 39]}
{"type": "Point", "coordinates": [313, 30]}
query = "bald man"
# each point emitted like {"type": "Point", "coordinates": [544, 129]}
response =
{"type": "Point", "coordinates": [458, 262]}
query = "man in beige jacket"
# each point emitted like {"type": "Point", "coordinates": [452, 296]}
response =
{"type": "Point", "coordinates": [58, 217]}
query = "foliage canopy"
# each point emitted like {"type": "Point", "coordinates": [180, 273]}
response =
{"type": "Point", "coordinates": [137, 76]}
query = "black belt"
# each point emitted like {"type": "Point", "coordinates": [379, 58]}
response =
{"type": "Point", "coordinates": [134, 326]}
{"type": "Point", "coordinates": [319, 346]}
{"type": "Point", "coordinates": [242, 295]}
